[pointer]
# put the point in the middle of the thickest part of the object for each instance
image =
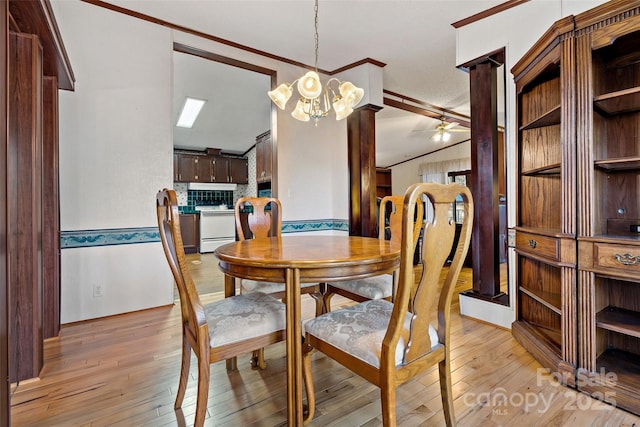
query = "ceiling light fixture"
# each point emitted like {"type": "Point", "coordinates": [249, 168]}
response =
{"type": "Point", "coordinates": [314, 102]}
{"type": "Point", "coordinates": [443, 131]}
{"type": "Point", "coordinates": [190, 111]}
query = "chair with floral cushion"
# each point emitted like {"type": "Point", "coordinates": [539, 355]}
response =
{"type": "Point", "coordinates": [218, 330]}
{"type": "Point", "coordinates": [383, 286]}
{"type": "Point", "coordinates": [263, 221]}
{"type": "Point", "coordinates": [390, 343]}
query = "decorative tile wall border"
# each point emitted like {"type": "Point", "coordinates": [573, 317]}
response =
{"type": "Point", "coordinates": [108, 237]}
{"type": "Point", "coordinates": [126, 236]}
{"type": "Point", "coordinates": [315, 225]}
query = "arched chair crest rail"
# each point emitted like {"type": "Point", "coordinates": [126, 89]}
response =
{"type": "Point", "coordinates": [390, 343]}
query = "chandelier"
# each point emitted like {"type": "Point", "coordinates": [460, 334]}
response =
{"type": "Point", "coordinates": [314, 101]}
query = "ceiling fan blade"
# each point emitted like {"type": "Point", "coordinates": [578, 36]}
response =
{"type": "Point", "coordinates": [451, 125]}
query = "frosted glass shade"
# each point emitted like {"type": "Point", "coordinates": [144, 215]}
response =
{"type": "Point", "coordinates": [342, 108]}
{"type": "Point", "coordinates": [299, 112]}
{"type": "Point", "coordinates": [280, 95]}
{"type": "Point", "coordinates": [309, 85]}
{"type": "Point", "coordinates": [351, 93]}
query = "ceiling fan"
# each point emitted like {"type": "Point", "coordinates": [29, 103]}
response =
{"type": "Point", "coordinates": [442, 131]}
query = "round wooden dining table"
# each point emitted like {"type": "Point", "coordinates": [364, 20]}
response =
{"type": "Point", "coordinates": [303, 259]}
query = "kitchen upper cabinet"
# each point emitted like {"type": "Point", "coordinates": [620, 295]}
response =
{"type": "Point", "coordinates": [198, 167]}
{"type": "Point", "coordinates": [219, 169]}
{"type": "Point", "coordinates": [176, 167]}
{"type": "Point", "coordinates": [264, 157]}
{"type": "Point", "coordinates": [187, 167]}
{"type": "Point", "coordinates": [238, 170]}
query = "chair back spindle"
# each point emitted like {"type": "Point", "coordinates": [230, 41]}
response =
{"type": "Point", "coordinates": [260, 222]}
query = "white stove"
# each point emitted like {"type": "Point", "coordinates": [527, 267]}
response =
{"type": "Point", "coordinates": [217, 227]}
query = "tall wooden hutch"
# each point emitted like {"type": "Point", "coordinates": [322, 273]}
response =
{"type": "Point", "coordinates": [578, 211]}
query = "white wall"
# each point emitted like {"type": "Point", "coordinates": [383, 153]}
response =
{"type": "Point", "coordinates": [115, 154]}
{"type": "Point", "coordinates": [516, 29]}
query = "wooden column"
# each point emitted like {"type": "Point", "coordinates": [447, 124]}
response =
{"type": "Point", "coordinates": [4, 303]}
{"type": "Point", "coordinates": [361, 134]}
{"type": "Point", "coordinates": [50, 210]}
{"type": "Point", "coordinates": [24, 169]}
{"type": "Point", "coordinates": [485, 244]}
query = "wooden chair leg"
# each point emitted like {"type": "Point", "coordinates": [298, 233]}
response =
{"type": "Point", "coordinates": [307, 377]}
{"type": "Point", "coordinates": [184, 372]}
{"type": "Point", "coordinates": [203, 390]}
{"type": "Point", "coordinates": [327, 301]}
{"type": "Point", "coordinates": [257, 359]}
{"type": "Point", "coordinates": [446, 392]}
{"type": "Point", "coordinates": [388, 400]}
{"type": "Point", "coordinates": [319, 299]}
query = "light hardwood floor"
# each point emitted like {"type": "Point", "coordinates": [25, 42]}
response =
{"type": "Point", "coordinates": [123, 371]}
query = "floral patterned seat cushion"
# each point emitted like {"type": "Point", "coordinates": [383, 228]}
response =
{"type": "Point", "coordinates": [249, 286]}
{"type": "Point", "coordinates": [360, 329]}
{"type": "Point", "coordinates": [243, 316]}
{"type": "Point", "coordinates": [377, 287]}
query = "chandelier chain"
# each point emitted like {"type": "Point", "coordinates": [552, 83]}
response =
{"type": "Point", "coordinates": [315, 10]}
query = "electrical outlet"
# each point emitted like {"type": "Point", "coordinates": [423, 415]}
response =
{"type": "Point", "coordinates": [98, 290]}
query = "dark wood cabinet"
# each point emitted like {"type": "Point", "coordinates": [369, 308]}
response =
{"type": "Point", "coordinates": [238, 170]}
{"type": "Point", "coordinates": [199, 167]}
{"type": "Point", "coordinates": [219, 169]}
{"type": "Point", "coordinates": [190, 230]}
{"type": "Point", "coordinates": [577, 239]}
{"type": "Point", "coordinates": [189, 167]}
{"type": "Point", "coordinates": [264, 157]}
{"type": "Point", "coordinates": [176, 167]}
{"type": "Point", "coordinates": [383, 182]}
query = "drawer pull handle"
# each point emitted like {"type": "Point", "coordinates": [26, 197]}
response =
{"type": "Point", "coordinates": [627, 259]}
{"type": "Point", "coordinates": [533, 243]}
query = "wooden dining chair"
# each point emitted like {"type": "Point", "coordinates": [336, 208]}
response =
{"type": "Point", "coordinates": [264, 221]}
{"type": "Point", "coordinates": [383, 286]}
{"type": "Point", "coordinates": [390, 343]}
{"type": "Point", "coordinates": [218, 330]}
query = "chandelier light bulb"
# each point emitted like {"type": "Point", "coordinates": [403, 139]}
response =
{"type": "Point", "coordinates": [309, 85]}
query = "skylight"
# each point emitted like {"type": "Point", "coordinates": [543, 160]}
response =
{"type": "Point", "coordinates": [190, 111]}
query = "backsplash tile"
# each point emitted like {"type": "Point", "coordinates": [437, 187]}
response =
{"type": "Point", "coordinates": [208, 197]}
